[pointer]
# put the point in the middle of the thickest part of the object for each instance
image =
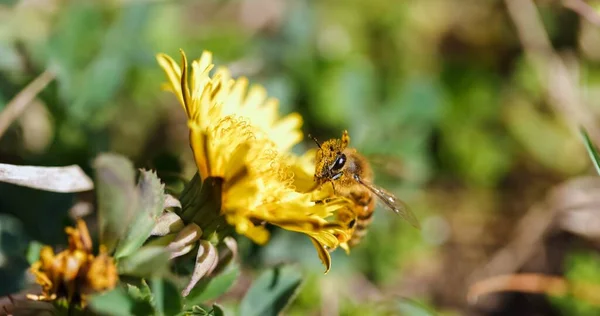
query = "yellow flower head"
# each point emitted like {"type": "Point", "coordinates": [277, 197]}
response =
{"type": "Point", "coordinates": [75, 272]}
{"type": "Point", "coordinates": [236, 134]}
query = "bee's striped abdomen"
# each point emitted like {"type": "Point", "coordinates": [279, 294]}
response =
{"type": "Point", "coordinates": [364, 207]}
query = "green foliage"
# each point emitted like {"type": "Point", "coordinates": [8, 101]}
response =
{"type": "Point", "coordinates": [215, 310]}
{"type": "Point", "coordinates": [146, 261]}
{"type": "Point", "coordinates": [162, 298]}
{"type": "Point", "coordinates": [413, 308]}
{"type": "Point", "coordinates": [211, 288]}
{"type": "Point", "coordinates": [13, 243]}
{"type": "Point", "coordinates": [271, 292]}
{"type": "Point", "coordinates": [122, 302]}
{"type": "Point", "coordinates": [167, 299]}
{"type": "Point", "coordinates": [591, 149]}
{"type": "Point", "coordinates": [582, 268]}
{"type": "Point", "coordinates": [33, 251]}
{"type": "Point", "coordinates": [103, 57]}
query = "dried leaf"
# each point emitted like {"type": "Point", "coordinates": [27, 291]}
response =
{"type": "Point", "coordinates": [206, 260]}
{"type": "Point", "coordinates": [171, 201]}
{"type": "Point", "coordinates": [168, 223]}
{"type": "Point", "coordinates": [55, 179]}
{"type": "Point", "coordinates": [187, 236]}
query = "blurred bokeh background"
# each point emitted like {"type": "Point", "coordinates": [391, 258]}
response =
{"type": "Point", "coordinates": [468, 110]}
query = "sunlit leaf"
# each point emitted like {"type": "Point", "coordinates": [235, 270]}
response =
{"type": "Point", "coordinates": [271, 292]}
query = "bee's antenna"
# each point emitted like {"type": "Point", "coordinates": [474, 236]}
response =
{"type": "Point", "coordinates": [315, 139]}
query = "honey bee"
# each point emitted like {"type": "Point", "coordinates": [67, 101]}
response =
{"type": "Point", "coordinates": [352, 177]}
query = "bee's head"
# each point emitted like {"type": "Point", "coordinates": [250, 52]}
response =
{"type": "Point", "coordinates": [331, 159]}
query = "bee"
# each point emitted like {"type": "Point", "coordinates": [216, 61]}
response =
{"type": "Point", "coordinates": [352, 177]}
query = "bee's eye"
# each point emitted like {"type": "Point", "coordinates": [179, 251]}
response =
{"type": "Point", "coordinates": [339, 162]}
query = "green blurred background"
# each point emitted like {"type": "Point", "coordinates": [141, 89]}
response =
{"type": "Point", "coordinates": [438, 93]}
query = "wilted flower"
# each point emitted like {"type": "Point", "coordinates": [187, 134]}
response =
{"type": "Point", "coordinates": [75, 272]}
{"type": "Point", "coordinates": [242, 149]}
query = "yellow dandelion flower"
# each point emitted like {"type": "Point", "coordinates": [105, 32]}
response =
{"type": "Point", "coordinates": [237, 136]}
{"type": "Point", "coordinates": [74, 273]}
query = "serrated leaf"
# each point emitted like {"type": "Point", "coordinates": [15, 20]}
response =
{"type": "Point", "coordinates": [591, 149]}
{"type": "Point", "coordinates": [151, 202]}
{"type": "Point", "coordinates": [212, 288]}
{"type": "Point", "coordinates": [167, 299]}
{"type": "Point", "coordinates": [141, 293]}
{"type": "Point", "coordinates": [271, 292]}
{"type": "Point", "coordinates": [117, 197]}
{"type": "Point", "coordinates": [147, 261]}
{"type": "Point", "coordinates": [54, 179]}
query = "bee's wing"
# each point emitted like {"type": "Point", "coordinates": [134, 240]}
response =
{"type": "Point", "coordinates": [392, 202]}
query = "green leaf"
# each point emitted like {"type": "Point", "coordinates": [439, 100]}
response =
{"type": "Point", "coordinates": [411, 307]}
{"type": "Point", "coordinates": [198, 311]}
{"type": "Point", "coordinates": [167, 299]}
{"type": "Point", "coordinates": [94, 69]}
{"type": "Point", "coordinates": [271, 292]}
{"type": "Point", "coordinates": [218, 310]}
{"type": "Point", "coordinates": [33, 251]}
{"type": "Point", "coordinates": [581, 268]}
{"type": "Point", "coordinates": [150, 206]}
{"type": "Point", "coordinates": [115, 302]}
{"type": "Point", "coordinates": [120, 302]}
{"type": "Point", "coordinates": [13, 244]}
{"type": "Point", "coordinates": [591, 149]}
{"type": "Point", "coordinates": [142, 293]}
{"type": "Point", "coordinates": [147, 261]}
{"type": "Point", "coordinates": [117, 197]}
{"type": "Point", "coordinates": [211, 288]}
